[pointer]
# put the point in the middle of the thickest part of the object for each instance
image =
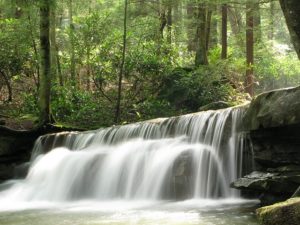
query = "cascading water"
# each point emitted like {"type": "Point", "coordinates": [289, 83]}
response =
{"type": "Point", "coordinates": [200, 153]}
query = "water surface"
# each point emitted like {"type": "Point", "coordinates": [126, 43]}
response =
{"type": "Point", "coordinates": [192, 212]}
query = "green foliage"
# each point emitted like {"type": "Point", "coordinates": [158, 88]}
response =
{"type": "Point", "coordinates": [159, 80]}
{"type": "Point", "coordinates": [79, 108]}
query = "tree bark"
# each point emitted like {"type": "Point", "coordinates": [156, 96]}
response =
{"type": "Point", "coordinates": [236, 24]}
{"type": "Point", "coordinates": [208, 27]}
{"type": "Point", "coordinates": [291, 11]}
{"type": "Point", "coordinates": [201, 53]}
{"type": "Point", "coordinates": [224, 31]}
{"type": "Point", "coordinates": [122, 66]}
{"type": "Point", "coordinates": [190, 26]}
{"type": "Point", "coordinates": [72, 47]}
{"type": "Point", "coordinates": [53, 42]}
{"type": "Point", "coordinates": [213, 28]}
{"type": "Point", "coordinates": [257, 22]}
{"type": "Point", "coordinates": [169, 22]}
{"type": "Point", "coordinates": [249, 46]}
{"type": "Point", "coordinates": [8, 85]}
{"type": "Point", "coordinates": [272, 20]}
{"type": "Point", "coordinates": [45, 78]}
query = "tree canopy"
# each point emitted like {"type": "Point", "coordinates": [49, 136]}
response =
{"type": "Point", "coordinates": [93, 63]}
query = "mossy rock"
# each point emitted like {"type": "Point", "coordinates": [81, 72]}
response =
{"type": "Point", "coordinates": [283, 213]}
{"type": "Point", "coordinates": [274, 109]}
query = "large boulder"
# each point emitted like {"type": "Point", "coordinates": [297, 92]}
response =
{"type": "Point", "coordinates": [274, 109]}
{"type": "Point", "coordinates": [287, 213]}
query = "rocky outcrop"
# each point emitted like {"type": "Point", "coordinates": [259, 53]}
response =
{"type": "Point", "coordinates": [16, 147]}
{"type": "Point", "coordinates": [271, 186]}
{"type": "Point", "coordinates": [272, 122]}
{"type": "Point", "coordinates": [287, 213]}
{"type": "Point", "coordinates": [274, 109]}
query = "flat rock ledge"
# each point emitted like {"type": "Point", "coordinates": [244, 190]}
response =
{"type": "Point", "coordinates": [273, 185]}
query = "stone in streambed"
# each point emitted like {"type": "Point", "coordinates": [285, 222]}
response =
{"type": "Point", "coordinates": [283, 213]}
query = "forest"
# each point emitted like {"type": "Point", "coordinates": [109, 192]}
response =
{"type": "Point", "coordinates": [97, 63]}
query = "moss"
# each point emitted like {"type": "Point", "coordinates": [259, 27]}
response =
{"type": "Point", "coordinates": [287, 213]}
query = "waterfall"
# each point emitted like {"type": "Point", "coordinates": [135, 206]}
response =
{"type": "Point", "coordinates": [191, 156]}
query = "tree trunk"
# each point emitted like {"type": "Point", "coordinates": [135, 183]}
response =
{"type": "Point", "coordinates": [60, 75]}
{"type": "Point", "coordinates": [213, 28]}
{"type": "Point", "coordinates": [257, 22]}
{"type": "Point", "coordinates": [291, 11]}
{"type": "Point", "coordinates": [122, 66]}
{"type": "Point", "coordinates": [236, 24]}
{"type": "Point", "coordinates": [208, 27]}
{"type": "Point", "coordinates": [201, 53]}
{"type": "Point", "coordinates": [36, 55]}
{"type": "Point", "coordinates": [72, 50]}
{"type": "Point", "coordinates": [162, 19]}
{"type": "Point", "coordinates": [190, 27]}
{"type": "Point", "coordinates": [272, 20]}
{"type": "Point", "coordinates": [178, 20]}
{"type": "Point", "coordinates": [249, 46]}
{"type": "Point", "coordinates": [53, 42]}
{"type": "Point", "coordinates": [8, 85]}
{"type": "Point", "coordinates": [169, 22]}
{"type": "Point", "coordinates": [45, 78]}
{"type": "Point", "coordinates": [224, 31]}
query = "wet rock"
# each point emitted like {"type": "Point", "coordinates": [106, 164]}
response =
{"type": "Point", "coordinates": [181, 176]}
{"type": "Point", "coordinates": [276, 185]}
{"type": "Point", "coordinates": [287, 213]}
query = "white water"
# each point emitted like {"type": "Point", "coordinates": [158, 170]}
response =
{"type": "Point", "coordinates": [137, 162]}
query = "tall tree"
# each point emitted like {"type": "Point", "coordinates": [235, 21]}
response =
{"type": "Point", "coordinates": [53, 40]}
{"type": "Point", "coordinates": [169, 21]}
{"type": "Point", "coordinates": [249, 46]}
{"type": "Point", "coordinates": [122, 66]}
{"type": "Point", "coordinates": [224, 31]}
{"type": "Point", "coordinates": [237, 25]}
{"type": "Point", "coordinates": [72, 47]}
{"type": "Point", "coordinates": [272, 20]}
{"type": "Point", "coordinates": [201, 53]}
{"type": "Point", "coordinates": [291, 11]}
{"type": "Point", "coordinates": [45, 76]}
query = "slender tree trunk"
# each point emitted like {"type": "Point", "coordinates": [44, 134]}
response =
{"type": "Point", "coordinates": [59, 71]}
{"type": "Point", "coordinates": [257, 22]}
{"type": "Point", "coordinates": [178, 20]}
{"type": "Point", "coordinates": [190, 27]}
{"type": "Point", "coordinates": [214, 28]}
{"type": "Point", "coordinates": [53, 41]}
{"type": "Point", "coordinates": [163, 20]}
{"type": "Point", "coordinates": [291, 11]}
{"type": "Point", "coordinates": [45, 79]}
{"type": "Point", "coordinates": [208, 27]}
{"type": "Point", "coordinates": [122, 66]}
{"type": "Point", "coordinates": [249, 47]}
{"type": "Point", "coordinates": [169, 22]}
{"type": "Point", "coordinates": [201, 53]}
{"type": "Point", "coordinates": [8, 85]}
{"type": "Point", "coordinates": [35, 50]}
{"type": "Point", "coordinates": [235, 19]}
{"type": "Point", "coordinates": [72, 47]}
{"type": "Point", "coordinates": [88, 72]}
{"type": "Point", "coordinates": [272, 20]}
{"type": "Point", "coordinates": [224, 31]}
